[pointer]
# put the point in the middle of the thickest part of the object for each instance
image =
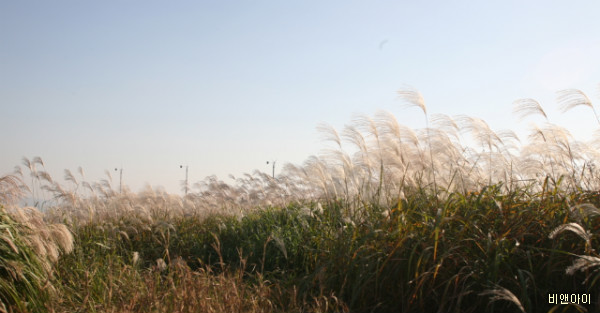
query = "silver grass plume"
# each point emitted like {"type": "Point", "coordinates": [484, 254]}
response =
{"type": "Point", "coordinates": [526, 107]}
{"type": "Point", "coordinates": [570, 98]}
{"type": "Point", "coordinates": [413, 97]}
{"type": "Point", "coordinates": [574, 228]}
{"type": "Point", "coordinates": [10, 189]}
{"type": "Point", "coordinates": [583, 263]}
{"type": "Point", "coordinates": [584, 210]}
{"type": "Point", "coordinates": [502, 293]}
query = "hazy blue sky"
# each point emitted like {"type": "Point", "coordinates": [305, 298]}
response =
{"type": "Point", "coordinates": [224, 86]}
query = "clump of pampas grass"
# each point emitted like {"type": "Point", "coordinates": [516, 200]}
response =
{"type": "Point", "coordinates": [30, 248]}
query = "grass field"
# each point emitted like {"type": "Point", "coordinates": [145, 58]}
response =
{"type": "Point", "coordinates": [389, 220]}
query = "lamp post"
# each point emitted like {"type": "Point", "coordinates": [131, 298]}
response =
{"type": "Point", "coordinates": [186, 178]}
{"type": "Point", "coordinates": [273, 167]}
{"type": "Point", "coordinates": [120, 179]}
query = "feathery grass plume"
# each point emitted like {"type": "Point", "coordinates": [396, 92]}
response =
{"type": "Point", "coordinates": [584, 210]}
{"type": "Point", "coordinates": [369, 126]}
{"type": "Point", "coordinates": [46, 177]}
{"type": "Point", "coordinates": [70, 177]}
{"type": "Point", "coordinates": [22, 275]}
{"type": "Point", "coordinates": [526, 107]}
{"type": "Point", "coordinates": [28, 266]}
{"type": "Point", "coordinates": [393, 131]}
{"type": "Point", "coordinates": [364, 160]}
{"type": "Point", "coordinates": [413, 97]}
{"type": "Point", "coordinates": [583, 263]}
{"type": "Point", "coordinates": [10, 189]}
{"type": "Point", "coordinates": [32, 173]}
{"type": "Point", "coordinates": [480, 130]}
{"type": "Point", "coordinates": [30, 165]}
{"type": "Point", "coordinates": [551, 145]}
{"type": "Point", "coordinates": [161, 266]}
{"type": "Point", "coordinates": [485, 137]}
{"type": "Point", "coordinates": [38, 160]}
{"type": "Point", "coordinates": [280, 244]}
{"type": "Point", "coordinates": [446, 124]}
{"type": "Point", "coordinates": [46, 239]}
{"type": "Point", "coordinates": [329, 134]}
{"type": "Point", "coordinates": [502, 293]}
{"type": "Point", "coordinates": [318, 173]}
{"type": "Point", "coordinates": [447, 155]}
{"type": "Point", "coordinates": [576, 229]}
{"type": "Point", "coordinates": [354, 136]}
{"type": "Point", "coordinates": [570, 98]}
{"type": "Point", "coordinates": [508, 139]}
{"type": "Point", "coordinates": [135, 258]}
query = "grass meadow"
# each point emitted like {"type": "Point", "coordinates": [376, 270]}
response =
{"type": "Point", "coordinates": [389, 219]}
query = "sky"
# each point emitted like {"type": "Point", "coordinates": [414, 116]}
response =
{"type": "Point", "coordinates": [224, 86]}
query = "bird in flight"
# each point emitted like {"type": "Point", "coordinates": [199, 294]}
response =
{"type": "Point", "coordinates": [382, 43]}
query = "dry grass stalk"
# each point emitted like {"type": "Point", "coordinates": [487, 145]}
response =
{"type": "Point", "coordinates": [501, 293]}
